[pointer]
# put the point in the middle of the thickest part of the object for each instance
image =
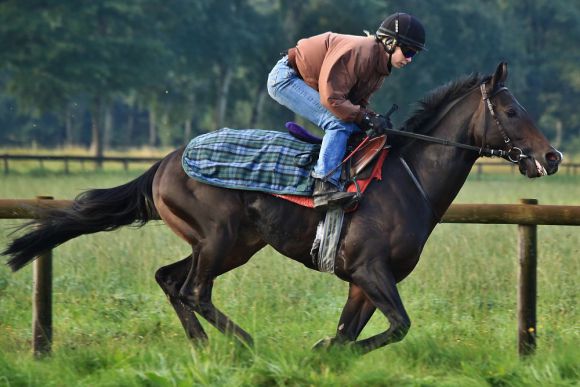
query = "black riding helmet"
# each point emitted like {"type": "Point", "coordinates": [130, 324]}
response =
{"type": "Point", "coordinates": [406, 29]}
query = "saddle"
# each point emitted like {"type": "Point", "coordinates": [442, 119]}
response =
{"type": "Point", "coordinates": [361, 150]}
{"type": "Point", "coordinates": [362, 164]}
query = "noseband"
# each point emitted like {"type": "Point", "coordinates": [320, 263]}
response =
{"type": "Point", "coordinates": [513, 153]}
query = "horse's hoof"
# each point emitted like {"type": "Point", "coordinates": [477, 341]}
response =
{"type": "Point", "coordinates": [323, 343]}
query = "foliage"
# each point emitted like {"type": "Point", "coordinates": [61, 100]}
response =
{"type": "Point", "coordinates": [145, 71]}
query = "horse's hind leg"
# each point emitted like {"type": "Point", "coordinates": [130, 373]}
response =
{"type": "Point", "coordinates": [211, 260]}
{"type": "Point", "coordinates": [356, 313]}
{"type": "Point", "coordinates": [213, 221]}
{"type": "Point", "coordinates": [171, 278]}
{"type": "Point", "coordinates": [205, 307]}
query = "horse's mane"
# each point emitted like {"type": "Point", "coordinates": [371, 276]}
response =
{"type": "Point", "coordinates": [438, 98]}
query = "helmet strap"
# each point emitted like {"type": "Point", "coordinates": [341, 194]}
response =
{"type": "Point", "coordinates": [389, 43]}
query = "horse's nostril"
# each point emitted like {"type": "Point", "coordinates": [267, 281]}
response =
{"type": "Point", "coordinates": [553, 157]}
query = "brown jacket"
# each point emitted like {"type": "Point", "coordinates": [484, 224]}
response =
{"type": "Point", "coordinates": [345, 69]}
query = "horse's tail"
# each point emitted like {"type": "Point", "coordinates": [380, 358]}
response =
{"type": "Point", "coordinates": [92, 211]}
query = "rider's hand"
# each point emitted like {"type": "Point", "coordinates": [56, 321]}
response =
{"type": "Point", "coordinates": [375, 124]}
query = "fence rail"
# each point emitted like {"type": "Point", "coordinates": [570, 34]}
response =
{"type": "Point", "coordinates": [66, 160]}
{"type": "Point", "coordinates": [478, 169]}
{"type": "Point", "coordinates": [526, 215]}
{"type": "Point", "coordinates": [457, 213]}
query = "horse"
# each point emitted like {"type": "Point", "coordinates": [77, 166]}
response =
{"type": "Point", "coordinates": [381, 241]}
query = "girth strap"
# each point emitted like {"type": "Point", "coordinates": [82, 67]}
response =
{"type": "Point", "coordinates": [420, 188]}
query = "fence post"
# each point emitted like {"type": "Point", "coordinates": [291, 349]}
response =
{"type": "Point", "coordinates": [42, 301]}
{"type": "Point", "coordinates": [527, 235]}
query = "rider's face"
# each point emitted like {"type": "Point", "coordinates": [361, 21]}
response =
{"type": "Point", "coordinates": [398, 59]}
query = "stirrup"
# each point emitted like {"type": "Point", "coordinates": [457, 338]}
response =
{"type": "Point", "coordinates": [337, 198]}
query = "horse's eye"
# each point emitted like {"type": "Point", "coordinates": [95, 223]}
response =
{"type": "Point", "coordinates": [511, 112]}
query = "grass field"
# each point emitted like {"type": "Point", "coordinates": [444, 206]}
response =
{"type": "Point", "coordinates": [113, 326]}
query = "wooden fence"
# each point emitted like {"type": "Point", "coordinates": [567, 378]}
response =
{"type": "Point", "coordinates": [478, 169]}
{"type": "Point", "coordinates": [67, 160]}
{"type": "Point", "coordinates": [527, 215]}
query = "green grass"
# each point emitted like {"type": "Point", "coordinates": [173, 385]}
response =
{"type": "Point", "coordinates": [113, 326]}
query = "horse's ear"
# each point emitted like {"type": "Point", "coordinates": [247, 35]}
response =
{"type": "Point", "coordinates": [500, 75]}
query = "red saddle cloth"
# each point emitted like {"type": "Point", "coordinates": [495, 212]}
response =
{"type": "Point", "coordinates": [308, 201]}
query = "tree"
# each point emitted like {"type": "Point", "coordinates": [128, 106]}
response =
{"type": "Point", "coordinates": [181, 67]}
{"type": "Point", "coordinates": [97, 49]}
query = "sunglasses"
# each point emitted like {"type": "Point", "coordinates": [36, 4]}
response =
{"type": "Point", "coordinates": [408, 52]}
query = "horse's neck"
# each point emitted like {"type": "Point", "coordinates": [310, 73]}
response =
{"type": "Point", "coordinates": [442, 170]}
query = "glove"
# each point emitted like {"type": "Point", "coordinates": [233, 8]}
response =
{"type": "Point", "coordinates": [375, 124]}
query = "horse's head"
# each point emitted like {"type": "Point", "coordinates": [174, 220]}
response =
{"type": "Point", "coordinates": [509, 127]}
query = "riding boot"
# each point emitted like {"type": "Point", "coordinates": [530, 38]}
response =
{"type": "Point", "coordinates": [326, 194]}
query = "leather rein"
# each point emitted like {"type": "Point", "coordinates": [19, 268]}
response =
{"type": "Point", "coordinates": [512, 153]}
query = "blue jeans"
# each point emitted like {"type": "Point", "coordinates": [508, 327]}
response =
{"type": "Point", "coordinates": [288, 89]}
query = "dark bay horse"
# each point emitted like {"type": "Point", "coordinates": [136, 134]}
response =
{"type": "Point", "coordinates": [380, 243]}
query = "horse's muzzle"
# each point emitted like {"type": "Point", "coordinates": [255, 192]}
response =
{"type": "Point", "coordinates": [541, 166]}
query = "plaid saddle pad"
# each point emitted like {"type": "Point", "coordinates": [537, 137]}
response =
{"type": "Point", "coordinates": [252, 159]}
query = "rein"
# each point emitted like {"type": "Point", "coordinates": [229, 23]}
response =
{"type": "Point", "coordinates": [482, 151]}
{"type": "Point", "coordinates": [512, 154]}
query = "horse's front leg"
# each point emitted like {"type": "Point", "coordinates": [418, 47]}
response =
{"type": "Point", "coordinates": [378, 283]}
{"type": "Point", "coordinates": [356, 313]}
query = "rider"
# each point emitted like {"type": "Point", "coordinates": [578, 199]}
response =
{"type": "Point", "coordinates": [329, 78]}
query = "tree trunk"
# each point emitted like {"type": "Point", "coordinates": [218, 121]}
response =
{"type": "Point", "coordinates": [68, 127]}
{"type": "Point", "coordinates": [258, 108]}
{"type": "Point", "coordinates": [559, 133]}
{"type": "Point", "coordinates": [187, 131]}
{"type": "Point", "coordinates": [188, 127]}
{"type": "Point", "coordinates": [227, 74]}
{"type": "Point", "coordinates": [535, 42]}
{"type": "Point", "coordinates": [293, 11]}
{"type": "Point", "coordinates": [152, 127]}
{"type": "Point", "coordinates": [96, 131]}
{"type": "Point", "coordinates": [130, 126]}
{"type": "Point", "coordinates": [107, 126]}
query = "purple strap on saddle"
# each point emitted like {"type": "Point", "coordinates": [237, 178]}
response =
{"type": "Point", "coordinates": [302, 134]}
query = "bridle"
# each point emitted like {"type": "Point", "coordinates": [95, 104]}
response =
{"type": "Point", "coordinates": [512, 153]}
